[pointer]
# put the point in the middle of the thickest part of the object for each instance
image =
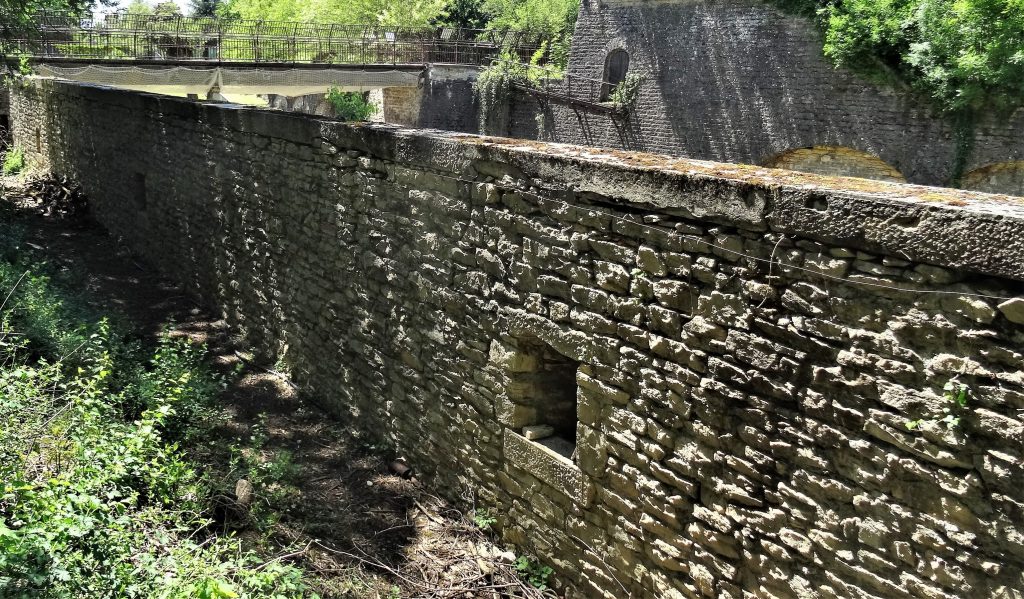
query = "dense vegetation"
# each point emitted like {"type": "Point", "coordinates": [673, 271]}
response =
{"type": "Point", "coordinates": [551, 20]}
{"type": "Point", "coordinates": [967, 55]}
{"type": "Point", "coordinates": [97, 497]}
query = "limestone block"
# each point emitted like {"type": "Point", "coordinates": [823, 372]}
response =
{"type": "Point", "coordinates": [970, 307]}
{"type": "Point", "coordinates": [538, 431]}
{"type": "Point", "coordinates": [1013, 310]}
{"type": "Point", "coordinates": [648, 260]}
{"type": "Point", "coordinates": [547, 466]}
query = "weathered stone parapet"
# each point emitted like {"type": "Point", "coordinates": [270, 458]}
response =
{"type": "Point", "coordinates": [667, 378]}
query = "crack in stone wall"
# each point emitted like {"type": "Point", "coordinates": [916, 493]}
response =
{"type": "Point", "coordinates": [749, 344]}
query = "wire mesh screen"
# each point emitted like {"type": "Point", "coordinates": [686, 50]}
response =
{"type": "Point", "coordinates": [230, 81]}
{"type": "Point", "coordinates": [124, 37]}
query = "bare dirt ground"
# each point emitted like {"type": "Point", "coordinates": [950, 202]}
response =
{"type": "Point", "coordinates": [322, 499]}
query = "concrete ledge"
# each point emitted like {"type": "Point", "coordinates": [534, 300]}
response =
{"type": "Point", "coordinates": [549, 467]}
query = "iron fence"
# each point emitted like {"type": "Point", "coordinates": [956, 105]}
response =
{"type": "Point", "coordinates": [128, 37]}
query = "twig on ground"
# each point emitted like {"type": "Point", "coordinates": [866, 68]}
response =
{"type": "Point", "coordinates": [279, 558]}
{"type": "Point", "coordinates": [11, 292]}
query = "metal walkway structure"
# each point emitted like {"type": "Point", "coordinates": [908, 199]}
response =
{"type": "Point", "coordinates": [152, 40]}
{"type": "Point", "coordinates": [206, 56]}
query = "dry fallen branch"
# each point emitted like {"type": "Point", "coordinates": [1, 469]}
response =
{"type": "Point", "coordinates": [57, 196]}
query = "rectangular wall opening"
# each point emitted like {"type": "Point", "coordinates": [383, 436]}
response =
{"type": "Point", "coordinates": [547, 388]}
{"type": "Point", "coordinates": [139, 191]}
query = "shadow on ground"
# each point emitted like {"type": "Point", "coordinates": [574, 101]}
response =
{"type": "Point", "coordinates": [322, 498]}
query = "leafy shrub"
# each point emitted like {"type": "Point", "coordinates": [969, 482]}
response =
{"type": "Point", "coordinates": [483, 519]}
{"type": "Point", "coordinates": [627, 90]}
{"type": "Point", "coordinates": [96, 497]}
{"type": "Point", "coordinates": [954, 396]}
{"type": "Point", "coordinates": [350, 106]}
{"type": "Point", "coordinates": [967, 55]}
{"type": "Point", "coordinates": [493, 85]}
{"type": "Point", "coordinates": [14, 161]}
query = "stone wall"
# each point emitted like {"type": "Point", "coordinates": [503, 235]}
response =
{"type": "Point", "coordinates": [1003, 177]}
{"type": "Point", "coordinates": [832, 160]}
{"type": "Point", "coordinates": [728, 356]}
{"type": "Point", "coordinates": [5, 110]}
{"type": "Point", "coordinates": [742, 81]}
{"type": "Point", "coordinates": [447, 100]}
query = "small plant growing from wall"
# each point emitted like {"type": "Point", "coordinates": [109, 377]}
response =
{"type": "Point", "coordinates": [533, 572]}
{"type": "Point", "coordinates": [955, 395]}
{"type": "Point", "coordinates": [350, 106]}
{"type": "Point", "coordinates": [626, 92]}
{"type": "Point", "coordinates": [14, 161]}
{"type": "Point", "coordinates": [483, 519]}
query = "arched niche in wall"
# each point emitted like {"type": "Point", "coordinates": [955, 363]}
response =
{"type": "Point", "coordinates": [836, 160]}
{"type": "Point", "coordinates": [1002, 177]}
{"type": "Point", "coordinates": [616, 65]}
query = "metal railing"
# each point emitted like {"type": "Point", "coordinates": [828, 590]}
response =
{"type": "Point", "coordinates": [562, 87]}
{"type": "Point", "coordinates": [129, 37]}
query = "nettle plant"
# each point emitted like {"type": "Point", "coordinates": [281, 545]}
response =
{"type": "Point", "coordinates": [954, 405]}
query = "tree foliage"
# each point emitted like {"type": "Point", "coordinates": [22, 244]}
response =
{"type": "Point", "coordinates": [463, 13]}
{"type": "Point", "coordinates": [553, 20]}
{"type": "Point", "coordinates": [203, 8]}
{"type": "Point", "coordinates": [553, 17]}
{"type": "Point", "coordinates": [17, 20]}
{"type": "Point", "coordinates": [139, 7]}
{"type": "Point", "coordinates": [366, 12]}
{"type": "Point", "coordinates": [967, 55]}
{"type": "Point", "coordinates": [168, 8]}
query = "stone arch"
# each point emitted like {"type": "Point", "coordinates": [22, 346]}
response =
{"type": "Point", "coordinates": [1001, 177]}
{"type": "Point", "coordinates": [836, 160]}
{"type": "Point", "coordinates": [616, 65]}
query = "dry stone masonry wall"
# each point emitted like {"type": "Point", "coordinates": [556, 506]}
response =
{"type": "Point", "coordinates": [726, 357]}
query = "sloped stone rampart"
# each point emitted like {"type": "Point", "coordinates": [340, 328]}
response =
{"type": "Point", "coordinates": [747, 345]}
{"type": "Point", "coordinates": [743, 81]}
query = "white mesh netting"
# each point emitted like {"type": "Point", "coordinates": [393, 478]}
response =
{"type": "Point", "coordinates": [181, 81]}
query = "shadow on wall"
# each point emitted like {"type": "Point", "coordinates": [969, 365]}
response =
{"type": "Point", "coordinates": [744, 83]}
{"type": "Point", "coordinates": [1002, 177]}
{"type": "Point", "coordinates": [836, 161]}
{"type": "Point", "coordinates": [740, 81]}
{"type": "Point", "coordinates": [534, 118]}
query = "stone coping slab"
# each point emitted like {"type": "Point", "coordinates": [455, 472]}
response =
{"type": "Point", "coordinates": [973, 231]}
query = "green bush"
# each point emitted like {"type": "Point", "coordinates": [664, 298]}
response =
{"type": "Point", "coordinates": [493, 85]}
{"type": "Point", "coordinates": [626, 92]}
{"type": "Point", "coordinates": [350, 106]}
{"type": "Point", "coordinates": [97, 498]}
{"type": "Point", "coordinates": [967, 55]}
{"type": "Point", "coordinates": [552, 20]}
{"type": "Point", "coordinates": [533, 572]}
{"type": "Point", "coordinates": [14, 161]}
